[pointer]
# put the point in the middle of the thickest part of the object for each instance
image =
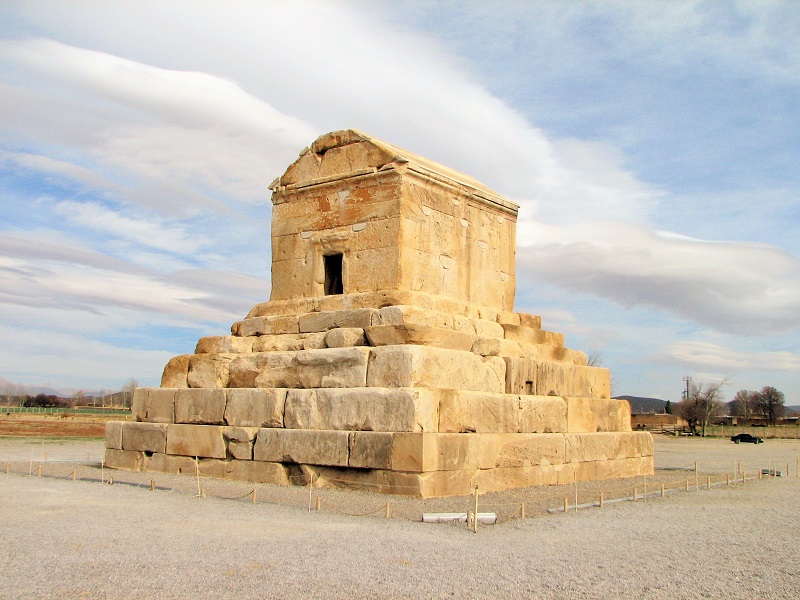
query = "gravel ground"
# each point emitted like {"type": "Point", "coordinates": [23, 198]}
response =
{"type": "Point", "coordinates": [65, 539]}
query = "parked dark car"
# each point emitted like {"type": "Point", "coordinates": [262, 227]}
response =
{"type": "Point", "coordinates": [747, 439]}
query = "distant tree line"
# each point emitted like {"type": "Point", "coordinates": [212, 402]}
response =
{"type": "Point", "coordinates": [705, 402]}
{"type": "Point", "coordinates": [16, 396]}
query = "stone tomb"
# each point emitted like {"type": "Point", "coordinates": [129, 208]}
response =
{"type": "Point", "coordinates": [388, 357]}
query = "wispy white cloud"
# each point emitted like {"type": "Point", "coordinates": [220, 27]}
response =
{"type": "Point", "coordinates": [700, 354]}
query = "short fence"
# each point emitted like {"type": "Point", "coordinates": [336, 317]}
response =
{"type": "Point", "coordinates": [78, 410]}
{"type": "Point", "coordinates": [502, 506]}
{"type": "Point", "coordinates": [784, 432]}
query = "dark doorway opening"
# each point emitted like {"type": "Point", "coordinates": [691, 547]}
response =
{"type": "Point", "coordinates": [333, 274]}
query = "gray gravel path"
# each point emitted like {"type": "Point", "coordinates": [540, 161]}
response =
{"type": "Point", "coordinates": [64, 539]}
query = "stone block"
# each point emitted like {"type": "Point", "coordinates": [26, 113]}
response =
{"type": "Point", "coordinates": [414, 452]}
{"type": "Point", "coordinates": [425, 366]}
{"type": "Point", "coordinates": [532, 321]}
{"type": "Point", "coordinates": [412, 315]}
{"type": "Point", "coordinates": [154, 405]}
{"type": "Point", "coordinates": [113, 435]}
{"type": "Point", "coordinates": [278, 343]}
{"type": "Point", "coordinates": [371, 450]}
{"type": "Point", "coordinates": [329, 448]}
{"type": "Point", "coordinates": [478, 412]}
{"type": "Point", "coordinates": [240, 441]}
{"type": "Point", "coordinates": [170, 463]}
{"type": "Point", "coordinates": [570, 380]}
{"type": "Point", "coordinates": [200, 406]}
{"type": "Point", "coordinates": [422, 335]}
{"type": "Point", "coordinates": [542, 414]}
{"type": "Point", "coordinates": [345, 337]}
{"type": "Point", "coordinates": [244, 369]}
{"type": "Point", "coordinates": [323, 321]}
{"type": "Point", "coordinates": [196, 440]}
{"type": "Point", "coordinates": [255, 407]}
{"type": "Point", "coordinates": [209, 370]}
{"type": "Point", "coordinates": [488, 329]}
{"type": "Point", "coordinates": [144, 437]}
{"type": "Point", "coordinates": [363, 409]}
{"type": "Point", "coordinates": [131, 460]}
{"type": "Point", "coordinates": [582, 447]}
{"type": "Point", "coordinates": [496, 347]}
{"type": "Point", "coordinates": [524, 334]}
{"type": "Point", "coordinates": [176, 372]}
{"type": "Point", "coordinates": [271, 325]}
{"type": "Point", "coordinates": [331, 367]}
{"type": "Point", "coordinates": [224, 344]}
{"type": "Point", "coordinates": [508, 318]}
{"type": "Point", "coordinates": [314, 341]}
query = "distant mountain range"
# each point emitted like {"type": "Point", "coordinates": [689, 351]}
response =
{"type": "Point", "coordinates": [641, 405]}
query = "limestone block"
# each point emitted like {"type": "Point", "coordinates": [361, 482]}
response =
{"type": "Point", "coordinates": [571, 380]}
{"type": "Point", "coordinates": [371, 450]}
{"type": "Point", "coordinates": [496, 347]}
{"type": "Point", "coordinates": [532, 321]}
{"type": "Point", "coordinates": [508, 318]}
{"type": "Point", "coordinates": [314, 341]}
{"type": "Point", "coordinates": [363, 409]}
{"type": "Point", "coordinates": [131, 460]}
{"type": "Point", "coordinates": [265, 326]}
{"type": "Point", "coordinates": [113, 435]}
{"type": "Point", "coordinates": [176, 372]}
{"type": "Point", "coordinates": [542, 414]}
{"type": "Point", "coordinates": [278, 343]}
{"type": "Point", "coordinates": [329, 448]}
{"type": "Point", "coordinates": [255, 407]}
{"type": "Point", "coordinates": [524, 334]}
{"type": "Point", "coordinates": [581, 447]}
{"type": "Point", "coordinates": [244, 369]}
{"type": "Point", "coordinates": [390, 335]}
{"type": "Point", "coordinates": [615, 468]}
{"type": "Point", "coordinates": [425, 366]}
{"type": "Point", "coordinates": [530, 449]}
{"type": "Point", "coordinates": [481, 412]}
{"type": "Point", "coordinates": [170, 463]}
{"type": "Point", "coordinates": [345, 337]}
{"type": "Point", "coordinates": [597, 414]}
{"type": "Point", "coordinates": [412, 315]}
{"type": "Point", "coordinates": [209, 370]}
{"type": "Point", "coordinates": [200, 406]}
{"type": "Point", "coordinates": [323, 321]}
{"type": "Point", "coordinates": [158, 405]}
{"type": "Point", "coordinates": [488, 329]}
{"type": "Point", "coordinates": [414, 452]}
{"type": "Point", "coordinates": [240, 441]}
{"type": "Point", "coordinates": [144, 437]}
{"type": "Point", "coordinates": [224, 344]}
{"type": "Point", "coordinates": [331, 367]}
{"type": "Point", "coordinates": [196, 440]}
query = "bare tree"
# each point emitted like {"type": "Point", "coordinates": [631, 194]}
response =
{"type": "Point", "coordinates": [744, 404]}
{"type": "Point", "coordinates": [594, 359]}
{"type": "Point", "coordinates": [770, 404]}
{"type": "Point", "coordinates": [702, 404]}
{"type": "Point", "coordinates": [127, 392]}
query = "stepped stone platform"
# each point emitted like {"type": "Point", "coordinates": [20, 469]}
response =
{"type": "Point", "coordinates": [389, 357]}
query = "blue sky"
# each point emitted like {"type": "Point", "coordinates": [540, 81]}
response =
{"type": "Point", "coordinates": [653, 148]}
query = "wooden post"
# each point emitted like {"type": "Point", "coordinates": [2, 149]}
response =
{"type": "Point", "coordinates": [727, 479]}
{"type": "Point", "coordinates": [7, 468]}
{"type": "Point", "coordinates": [662, 489]}
{"type": "Point", "coordinates": [743, 477]}
{"type": "Point", "coordinates": [203, 489]}
{"type": "Point", "coordinates": [319, 503]}
{"type": "Point", "coordinates": [475, 518]}
{"type": "Point", "coordinates": [601, 499]}
{"type": "Point", "coordinates": [197, 475]}
{"type": "Point", "coordinates": [254, 495]}
{"type": "Point", "coordinates": [635, 493]}
{"type": "Point", "coordinates": [110, 480]}
{"type": "Point", "coordinates": [787, 469]}
{"type": "Point", "coordinates": [687, 485]}
{"type": "Point", "coordinates": [566, 504]}
{"type": "Point", "coordinates": [522, 511]}
{"type": "Point", "coordinates": [74, 474]}
{"type": "Point", "coordinates": [759, 474]}
{"type": "Point", "coordinates": [39, 471]}
{"type": "Point", "coordinates": [310, 491]}
{"type": "Point", "coordinates": [388, 509]}
{"type": "Point", "coordinates": [152, 485]}
{"type": "Point", "coordinates": [708, 482]}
